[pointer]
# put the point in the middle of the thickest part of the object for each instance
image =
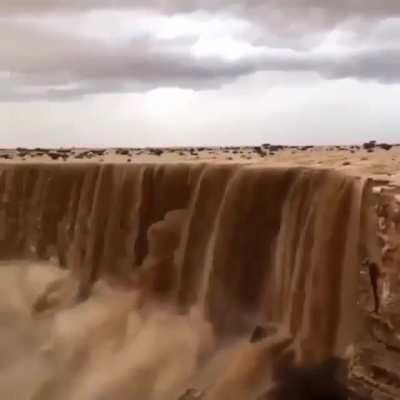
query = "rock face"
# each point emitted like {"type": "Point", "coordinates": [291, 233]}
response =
{"type": "Point", "coordinates": [192, 394]}
{"type": "Point", "coordinates": [377, 350]}
{"type": "Point", "coordinates": [323, 381]}
{"type": "Point", "coordinates": [245, 244]}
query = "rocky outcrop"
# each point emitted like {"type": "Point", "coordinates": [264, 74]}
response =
{"type": "Point", "coordinates": [377, 349]}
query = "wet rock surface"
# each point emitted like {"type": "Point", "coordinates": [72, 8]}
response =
{"type": "Point", "coordinates": [193, 394]}
{"type": "Point", "coordinates": [325, 381]}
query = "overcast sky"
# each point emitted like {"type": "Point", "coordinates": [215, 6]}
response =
{"type": "Point", "coordinates": [198, 72]}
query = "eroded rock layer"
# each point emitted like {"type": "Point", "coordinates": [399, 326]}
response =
{"type": "Point", "coordinates": [377, 357]}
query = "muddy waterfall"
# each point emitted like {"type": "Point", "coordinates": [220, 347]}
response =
{"type": "Point", "coordinates": [142, 281]}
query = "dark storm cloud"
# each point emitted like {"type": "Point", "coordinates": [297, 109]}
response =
{"type": "Point", "coordinates": [381, 65]}
{"type": "Point", "coordinates": [82, 66]}
{"type": "Point", "coordinates": [36, 63]}
{"type": "Point", "coordinates": [62, 67]}
{"type": "Point", "coordinates": [336, 8]}
{"type": "Point", "coordinates": [88, 68]}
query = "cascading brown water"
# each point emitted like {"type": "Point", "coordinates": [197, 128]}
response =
{"type": "Point", "coordinates": [176, 263]}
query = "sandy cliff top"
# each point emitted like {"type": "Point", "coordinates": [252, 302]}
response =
{"type": "Point", "coordinates": [377, 161]}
